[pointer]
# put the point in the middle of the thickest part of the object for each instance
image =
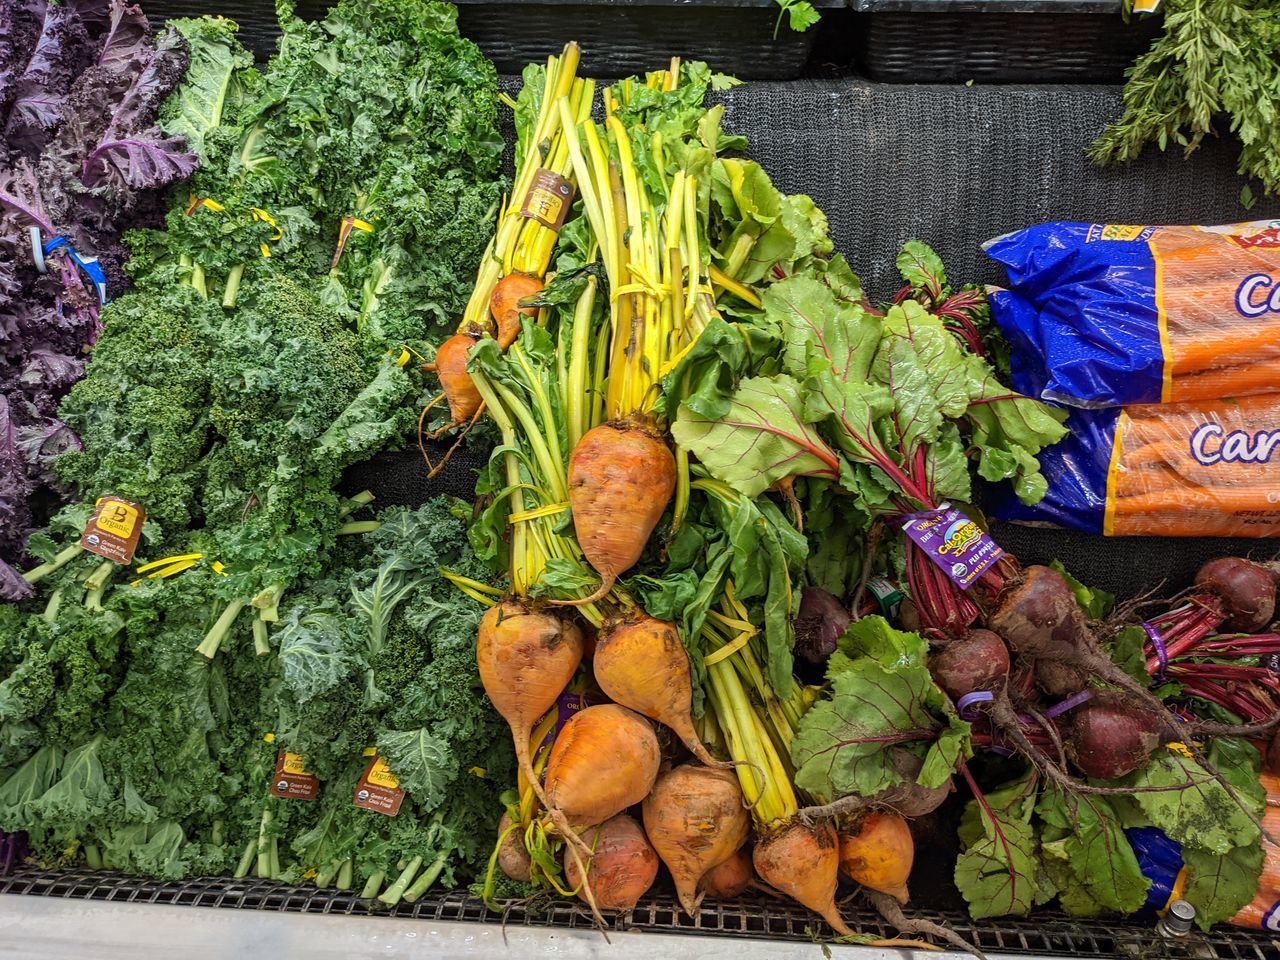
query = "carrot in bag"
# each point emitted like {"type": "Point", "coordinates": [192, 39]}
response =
{"type": "Point", "coordinates": [1102, 315]}
{"type": "Point", "coordinates": [1210, 468]}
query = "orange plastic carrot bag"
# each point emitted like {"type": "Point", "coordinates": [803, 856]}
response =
{"type": "Point", "coordinates": [1204, 469]}
{"type": "Point", "coordinates": [1102, 315]}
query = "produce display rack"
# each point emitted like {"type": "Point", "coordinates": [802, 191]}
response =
{"type": "Point", "coordinates": [765, 919]}
{"type": "Point", "coordinates": [902, 41]}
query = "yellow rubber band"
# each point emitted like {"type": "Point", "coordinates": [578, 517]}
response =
{"type": "Point", "coordinates": [168, 560]}
{"type": "Point", "coordinates": [728, 650]}
{"type": "Point", "coordinates": [172, 570]}
{"type": "Point", "coordinates": [536, 513]}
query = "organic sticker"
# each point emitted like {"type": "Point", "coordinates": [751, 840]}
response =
{"type": "Point", "coordinates": [548, 199]}
{"type": "Point", "coordinates": [291, 780]}
{"type": "Point", "coordinates": [957, 545]}
{"type": "Point", "coordinates": [114, 529]}
{"type": "Point", "coordinates": [379, 789]}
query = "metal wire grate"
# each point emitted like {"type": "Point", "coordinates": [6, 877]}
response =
{"type": "Point", "coordinates": [1048, 934]}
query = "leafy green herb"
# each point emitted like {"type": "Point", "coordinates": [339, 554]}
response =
{"type": "Point", "coordinates": [1218, 61]}
{"type": "Point", "coordinates": [800, 15]}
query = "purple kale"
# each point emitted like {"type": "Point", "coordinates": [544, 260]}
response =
{"type": "Point", "coordinates": [15, 515]}
{"type": "Point", "coordinates": [133, 152]}
{"type": "Point", "coordinates": [62, 50]}
{"type": "Point", "coordinates": [81, 157]}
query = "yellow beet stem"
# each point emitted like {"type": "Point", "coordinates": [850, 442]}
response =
{"type": "Point", "coordinates": [681, 503]}
{"type": "Point", "coordinates": [575, 400]}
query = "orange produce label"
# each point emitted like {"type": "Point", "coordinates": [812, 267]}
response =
{"type": "Point", "coordinates": [114, 529]}
{"type": "Point", "coordinates": [291, 780]}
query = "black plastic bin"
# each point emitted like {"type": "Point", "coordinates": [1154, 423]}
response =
{"type": "Point", "coordinates": [624, 37]}
{"type": "Point", "coordinates": [618, 37]}
{"type": "Point", "coordinates": [997, 41]}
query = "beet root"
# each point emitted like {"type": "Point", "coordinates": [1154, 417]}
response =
{"type": "Point", "coordinates": [1059, 679]}
{"type": "Point", "coordinates": [1247, 591]}
{"type": "Point", "coordinates": [1040, 619]}
{"type": "Point", "coordinates": [908, 798]}
{"type": "Point", "coordinates": [977, 661]}
{"type": "Point", "coordinates": [821, 621]}
{"type": "Point", "coordinates": [1109, 736]}
{"type": "Point", "coordinates": [513, 858]}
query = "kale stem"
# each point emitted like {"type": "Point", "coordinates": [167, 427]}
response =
{"type": "Point", "coordinates": [233, 286]}
{"type": "Point", "coordinates": [344, 874]}
{"type": "Point", "coordinates": [64, 557]}
{"type": "Point", "coordinates": [261, 642]}
{"type": "Point", "coordinates": [424, 882]}
{"type": "Point", "coordinates": [93, 856]}
{"type": "Point", "coordinates": [51, 608]}
{"type": "Point", "coordinates": [361, 499]}
{"type": "Point", "coordinates": [395, 892]}
{"type": "Point", "coordinates": [268, 602]}
{"type": "Point", "coordinates": [264, 849]}
{"type": "Point", "coordinates": [373, 885]}
{"type": "Point", "coordinates": [358, 526]}
{"type": "Point", "coordinates": [96, 585]}
{"type": "Point", "coordinates": [246, 859]}
{"type": "Point", "coordinates": [216, 837]}
{"type": "Point", "coordinates": [325, 876]}
{"type": "Point", "coordinates": [213, 639]}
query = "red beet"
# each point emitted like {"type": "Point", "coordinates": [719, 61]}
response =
{"type": "Point", "coordinates": [1040, 620]}
{"type": "Point", "coordinates": [1109, 736]}
{"type": "Point", "coordinates": [909, 799]}
{"type": "Point", "coordinates": [1060, 679]}
{"type": "Point", "coordinates": [820, 623]}
{"type": "Point", "coordinates": [1272, 762]}
{"type": "Point", "coordinates": [977, 661]}
{"type": "Point", "coordinates": [1247, 590]}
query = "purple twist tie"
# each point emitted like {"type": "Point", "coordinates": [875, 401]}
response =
{"type": "Point", "coordinates": [969, 699]}
{"type": "Point", "coordinates": [1058, 709]}
{"type": "Point", "coordinates": [1157, 642]}
{"type": "Point", "coordinates": [1003, 751]}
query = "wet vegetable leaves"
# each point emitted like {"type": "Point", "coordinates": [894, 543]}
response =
{"type": "Point", "coordinates": [997, 871]}
{"type": "Point", "coordinates": [1191, 806]}
{"type": "Point", "coordinates": [882, 695]}
{"type": "Point", "coordinates": [1086, 853]}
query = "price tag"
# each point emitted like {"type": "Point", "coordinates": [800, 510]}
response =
{"type": "Point", "coordinates": [548, 199]}
{"type": "Point", "coordinates": [114, 529]}
{"type": "Point", "coordinates": [291, 781]}
{"type": "Point", "coordinates": [379, 789]}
